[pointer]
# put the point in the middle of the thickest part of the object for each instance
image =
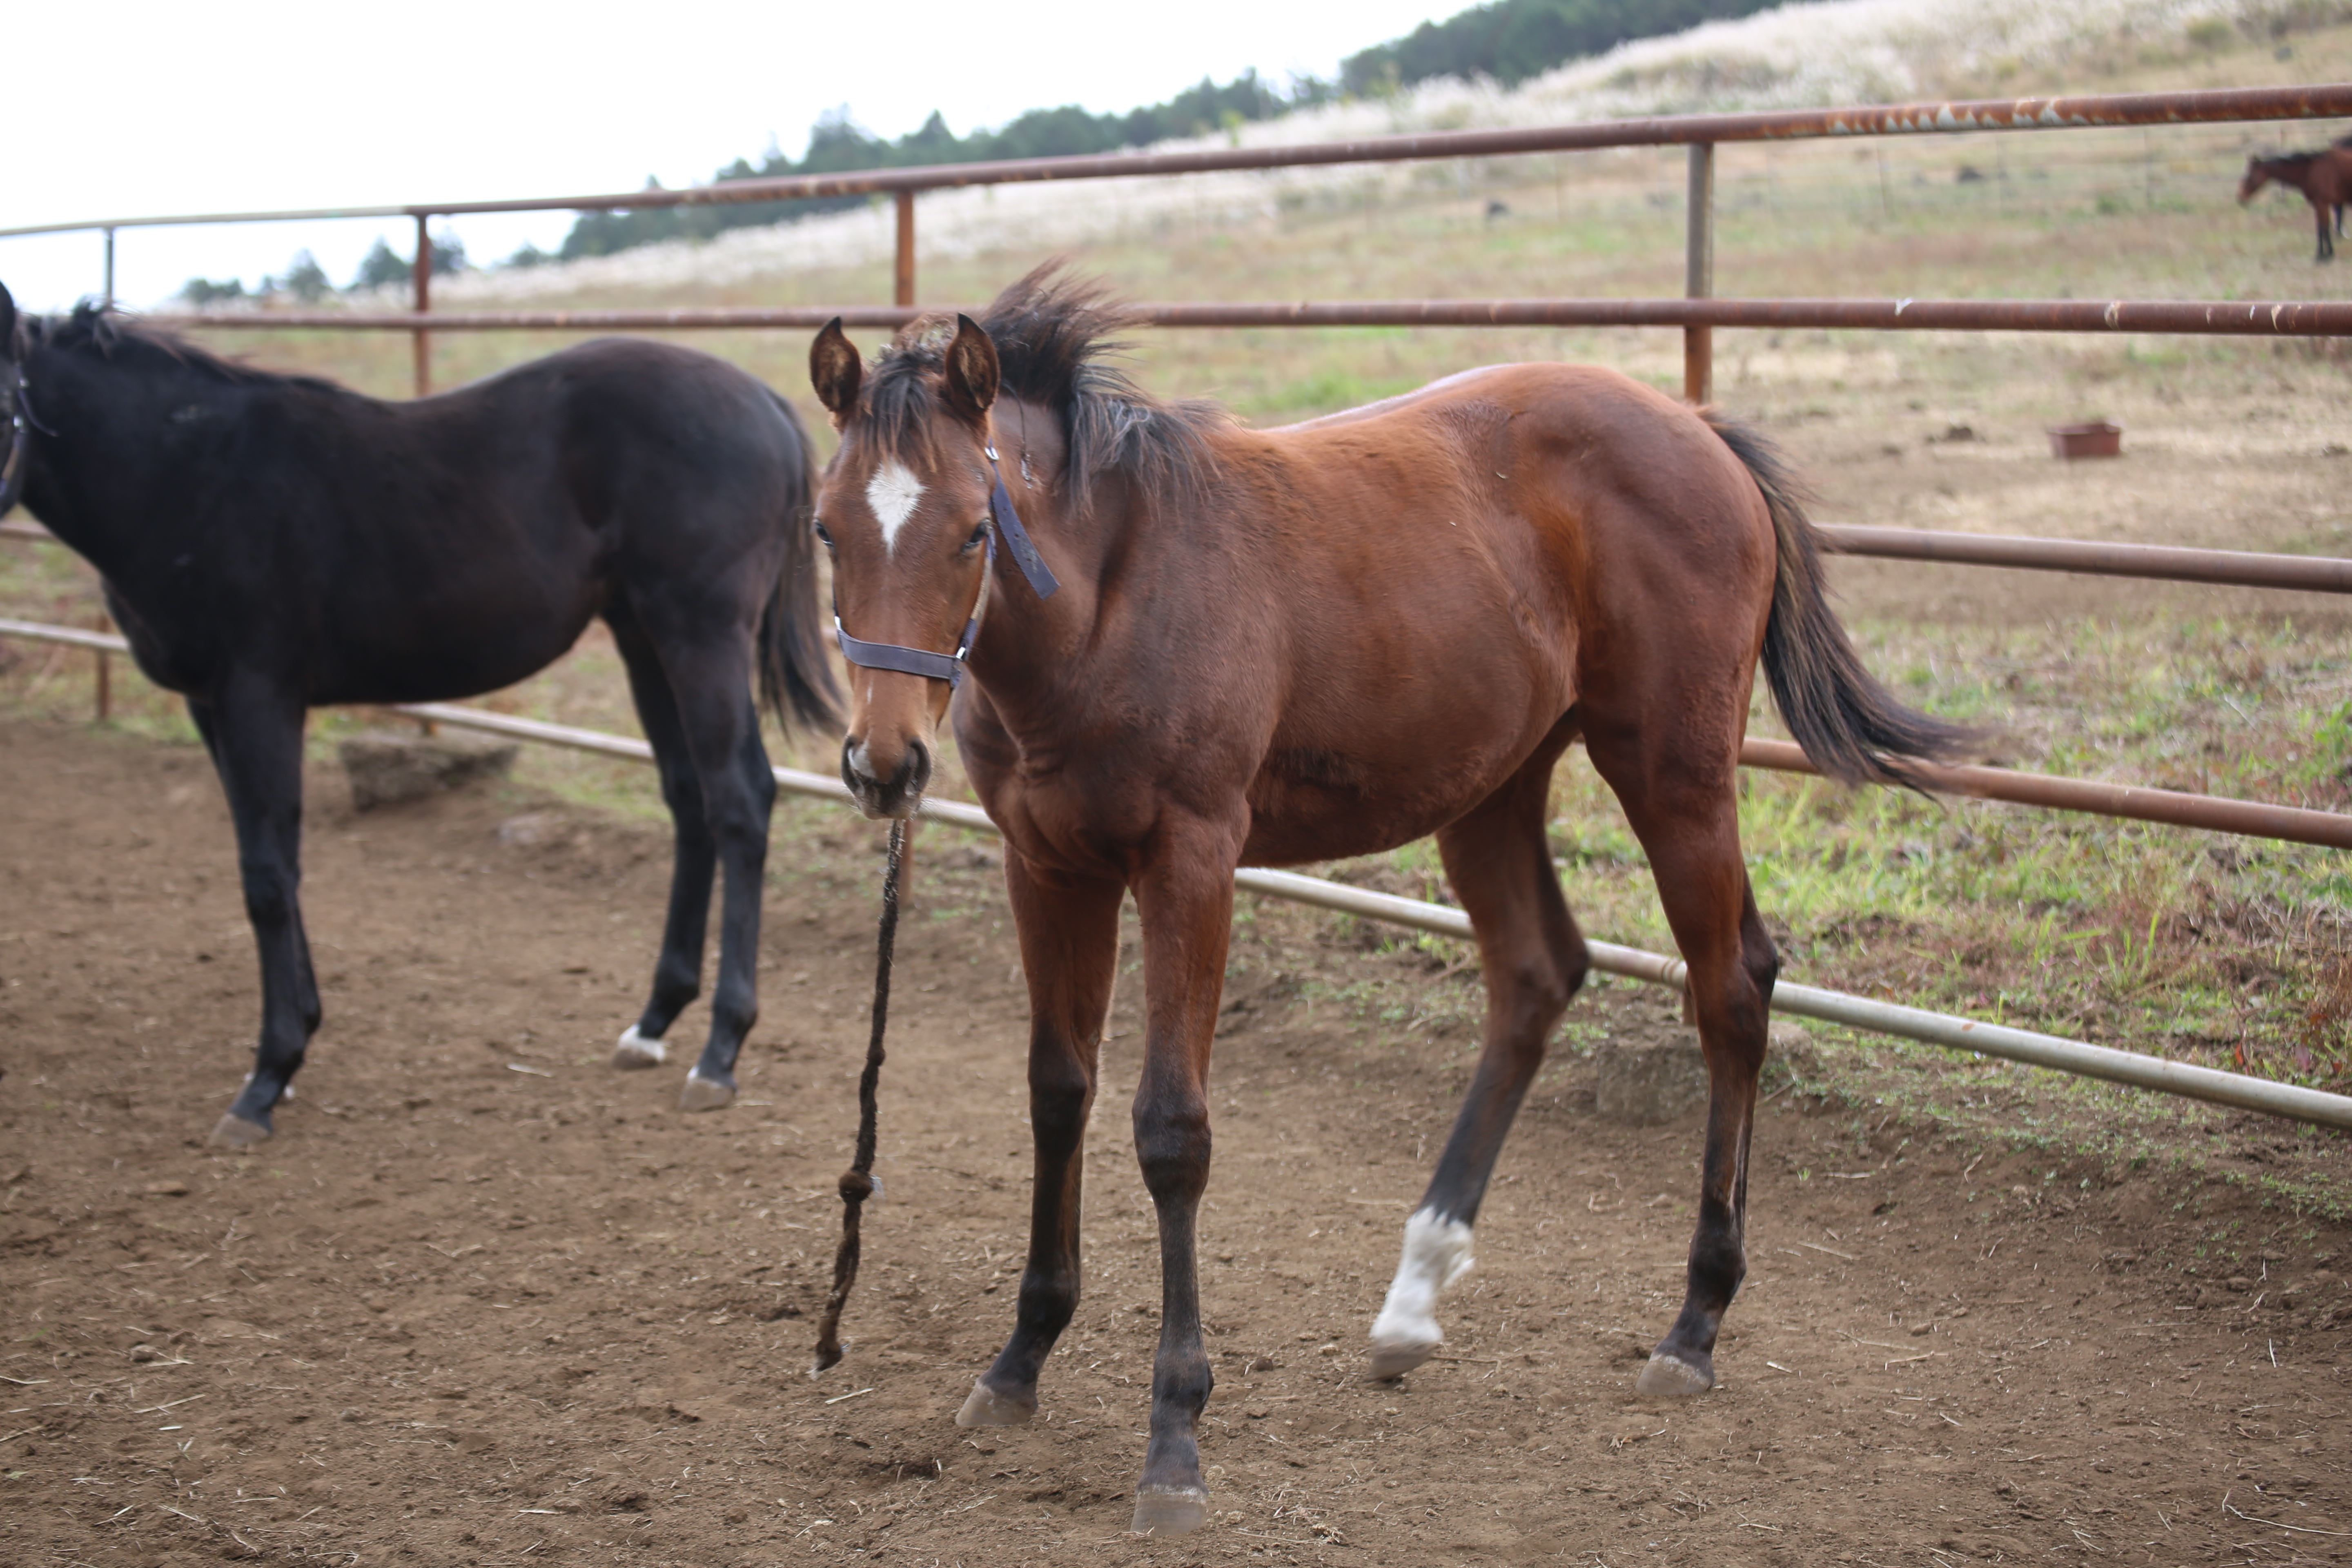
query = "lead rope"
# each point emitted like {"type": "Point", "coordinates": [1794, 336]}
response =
{"type": "Point", "coordinates": [857, 1183]}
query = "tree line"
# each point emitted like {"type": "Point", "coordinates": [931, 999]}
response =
{"type": "Point", "coordinates": [1512, 41]}
{"type": "Point", "coordinates": [1508, 41]}
{"type": "Point", "coordinates": [306, 281]}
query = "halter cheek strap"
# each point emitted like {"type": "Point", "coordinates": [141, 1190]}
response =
{"type": "Point", "coordinates": [20, 417]}
{"type": "Point", "coordinates": [950, 668]}
{"type": "Point", "coordinates": [1016, 538]}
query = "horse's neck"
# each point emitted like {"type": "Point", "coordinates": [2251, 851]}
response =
{"type": "Point", "coordinates": [103, 454]}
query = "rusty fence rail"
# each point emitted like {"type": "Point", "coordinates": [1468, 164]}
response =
{"type": "Point", "coordinates": [2208, 106]}
{"type": "Point", "coordinates": [1699, 133]}
{"type": "Point", "coordinates": [1697, 314]}
{"type": "Point", "coordinates": [2091, 798]}
{"type": "Point", "coordinates": [2053, 1052]}
{"type": "Point", "coordinates": [2204, 317]}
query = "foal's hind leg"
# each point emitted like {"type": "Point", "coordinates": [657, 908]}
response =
{"type": "Point", "coordinates": [711, 681]}
{"type": "Point", "coordinates": [255, 734]}
{"type": "Point", "coordinates": [677, 973]}
{"type": "Point", "coordinates": [1684, 810]}
{"type": "Point", "coordinates": [1534, 961]}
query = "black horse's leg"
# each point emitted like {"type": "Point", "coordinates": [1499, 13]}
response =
{"type": "Point", "coordinates": [710, 681]}
{"type": "Point", "coordinates": [1534, 961]}
{"type": "Point", "coordinates": [1069, 948]}
{"type": "Point", "coordinates": [1683, 804]}
{"type": "Point", "coordinates": [255, 734]}
{"type": "Point", "coordinates": [739, 791]}
{"type": "Point", "coordinates": [677, 973]}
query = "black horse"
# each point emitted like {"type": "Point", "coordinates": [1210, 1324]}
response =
{"type": "Point", "coordinates": [271, 543]}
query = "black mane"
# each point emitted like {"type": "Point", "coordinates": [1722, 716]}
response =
{"type": "Point", "coordinates": [108, 334]}
{"type": "Point", "coordinates": [1053, 336]}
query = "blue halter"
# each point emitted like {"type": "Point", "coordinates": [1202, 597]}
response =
{"type": "Point", "coordinates": [950, 668]}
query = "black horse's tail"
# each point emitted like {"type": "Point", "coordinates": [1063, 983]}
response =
{"type": "Point", "coordinates": [795, 677]}
{"type": "Point", "coordinates": [1851, 726]}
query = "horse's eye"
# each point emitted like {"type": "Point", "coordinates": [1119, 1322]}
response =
{"type": "Point", "coordinates": [823, 537]}
{"type": "Point", "coordinates": [979, 537]}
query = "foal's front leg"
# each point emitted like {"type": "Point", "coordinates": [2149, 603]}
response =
{"type": "Point", "coordinates": [255, 734]}
{"type": "Point", "coordinates": [1069, 946]}
{"type": "Point", "coordinates": [1186, 900]}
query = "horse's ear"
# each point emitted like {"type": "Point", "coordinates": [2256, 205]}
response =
{"type": "Point", "coordinates": [971, 370]}
{"type": "Point", "coordinates": [835, 370]}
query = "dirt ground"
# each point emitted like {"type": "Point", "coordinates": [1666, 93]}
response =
{"type": "Point", "coordinates": [483, 1301]}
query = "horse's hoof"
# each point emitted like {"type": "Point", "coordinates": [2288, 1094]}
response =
{"type": "Point", "coordinates": [1397, 1357]}
{"type": "Point", "coordinates": [704, 1094]}
{"type": "Point", "coordinates": [986, 1407]}
{"type": "Point", "coordinates": [1170, 1511]}
{"type": "Point", "coordinates": [636, 1051]}
{"type": "Point", "coordinates": [234, 1132]}
{"type": "Point", "coordinates": [1670, 1377]}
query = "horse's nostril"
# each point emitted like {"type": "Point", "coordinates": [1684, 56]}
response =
{"type": "Point", "coordinates": [918, 766]}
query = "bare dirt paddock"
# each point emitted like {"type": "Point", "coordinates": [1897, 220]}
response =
{"type": "Point", "coordinates": [484, 1301]}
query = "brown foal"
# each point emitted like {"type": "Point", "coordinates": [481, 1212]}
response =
{"type": "Point", "coordinates": [1276, 646]}
{"type": "Point", "coordinates": [2324, 177]}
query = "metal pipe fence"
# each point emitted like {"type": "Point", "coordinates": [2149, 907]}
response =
{"type": "Point", "coordinates": [2054, 1052]}
{"type": "Point", "coordinates": [1698, 314]}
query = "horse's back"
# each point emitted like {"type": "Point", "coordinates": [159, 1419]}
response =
{"type": "Point", "coordinates": [1591, 458]}
{"type": "Point", "coordinates": [466, 539]}
{"type": "Point", "coordinates": [1510, 544]}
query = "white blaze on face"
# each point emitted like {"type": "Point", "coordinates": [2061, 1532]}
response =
{"type": "Point", "coordinates": [894, 493]}
{"type": "Point", "coordinates": [1436, 1254]}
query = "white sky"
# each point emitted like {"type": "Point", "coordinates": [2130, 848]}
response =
{"type": "Point", "coordinates": [141, 108]}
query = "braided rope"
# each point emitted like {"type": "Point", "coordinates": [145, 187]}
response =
{"type": "Point", "coordinates": [857, 1183]}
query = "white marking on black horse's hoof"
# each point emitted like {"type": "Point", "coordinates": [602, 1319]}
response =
{"type": "Point", "coordinates": [1170, 1511]}
{"type": "Point", "coordinates": [1405, 1334]}
{"type": "Point", "coordinates": [283, 1094]}
{"type": "Point", "coordinates": [234, 1132]}
{"type": "Point", "coordinates": [704, 1094]}
{"type": "Point", "coordinates": [986, 1407]}
{"type": "Point", "coordinates": [1670, 1377]}
{"type": "Point", "coordinates": [637, 1050]}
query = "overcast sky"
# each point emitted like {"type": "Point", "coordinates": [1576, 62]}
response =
{"type": "Point", "coordinates": [139, 108]}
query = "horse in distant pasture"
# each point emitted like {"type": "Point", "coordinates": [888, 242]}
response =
{"type": "Point", "coordinates": [272, 543]}
{"type": "Point", "coordinates": [2325, 178]}
{"type": "Point", "coordinates": [1238, 647]}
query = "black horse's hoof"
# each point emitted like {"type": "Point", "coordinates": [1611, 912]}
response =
{"type": "Point", "coordinates": [1169, 1510]}
{"type": "Point", "coordinates": [702, 1093]}
{"type": "Point", "coordinates": [234, 1132]}
{"type": "Point", "coordinates": [1669, 1376]}
{"type": "Point", "coordinates": [986, 1407]}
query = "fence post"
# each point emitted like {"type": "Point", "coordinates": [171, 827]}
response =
{"type": "Point", "coordinates": [1698, 269]}
{"type": "Point", "coordinates": [109, 300]}
{"type": "Point", "coordinates": [421, 278]}
{"type": "Point", "coordinates": [903, 292]}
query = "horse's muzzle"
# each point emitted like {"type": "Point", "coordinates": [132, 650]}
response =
{"type": "Point", "coordinates": [893, 797]}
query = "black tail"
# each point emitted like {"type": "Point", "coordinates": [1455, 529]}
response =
{"type": "Point", "coordinates": [795, 677]}
{"type": "Point", "coordinates": [1851, 726]}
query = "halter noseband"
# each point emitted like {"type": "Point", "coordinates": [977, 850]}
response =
{"type": "Point", "coordinates": [950, 668]}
